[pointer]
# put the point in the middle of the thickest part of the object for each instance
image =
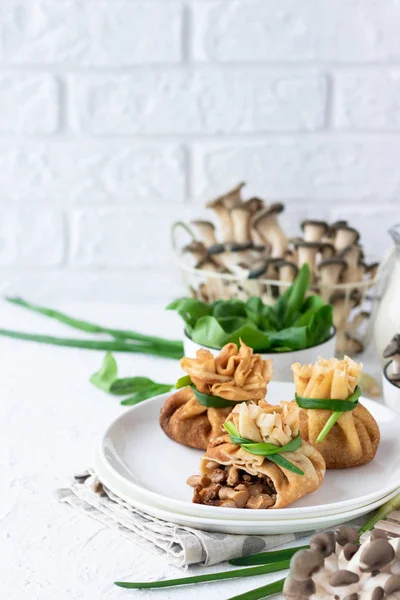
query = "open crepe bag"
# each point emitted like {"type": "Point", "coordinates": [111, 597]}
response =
{"type": "Point", "coordinates": [232, 476]}
{"type": "Point", "coordinates": [234, 374]}
{"type": "Point", "coordinates": [354, 439]}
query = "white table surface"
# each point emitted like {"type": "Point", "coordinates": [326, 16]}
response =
{"type": "Point", "coordinates": [51, 418]}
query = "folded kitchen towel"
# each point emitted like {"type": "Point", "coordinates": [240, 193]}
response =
{"type": "Point", "coordinates": [183, 546]}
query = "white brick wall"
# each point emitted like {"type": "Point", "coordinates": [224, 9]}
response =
{"type": "Point", "coordinates": [119, 116]}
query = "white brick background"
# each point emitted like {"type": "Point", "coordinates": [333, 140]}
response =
{"type": "Point", "coordinates": [118, 117]}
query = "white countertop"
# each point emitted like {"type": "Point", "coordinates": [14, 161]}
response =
{"type": "Point", "coordinates": [51, 418]}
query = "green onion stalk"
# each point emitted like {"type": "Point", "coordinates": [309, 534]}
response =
{"type": "Point", "coordinates": [123, 340]}
{"type": "Point", "coordinates": [273, 561]}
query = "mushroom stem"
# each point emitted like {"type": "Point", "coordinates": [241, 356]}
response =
{"type": "Point", "coordinates": [240, 218]}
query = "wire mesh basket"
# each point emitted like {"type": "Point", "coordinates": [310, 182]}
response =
{"type": "Point", "coordinates": [354, 304]}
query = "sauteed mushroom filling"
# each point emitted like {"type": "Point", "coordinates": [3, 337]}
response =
{"type": "Point", "coordinates": [232, 488]}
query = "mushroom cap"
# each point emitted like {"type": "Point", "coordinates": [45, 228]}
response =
{"type": "Point", "coordinates": [300, 243]}
{"type": "Point", "coordinates": [329, 262]}
{"type": "Point", "coordinates": [305, 563]}
{"type": "Point", "coordinates": [343, 577]}
{"type": "Point", "coordinates": [345, 534]}
{"type": "Point", "coordinates": [201, 223]}
{"type": "Point", "coordinates": [254, 204]}
{"type": "Point", "coordinates": [285, 263]}
{"type": "Point", "coordinates": [258, 269]}
{"type": "Point", "coordinates": [272, 209]}
{"type": "Point", "coordinates": [376, 555]}
{"type": "Point", "coordinates": [392, 585]}
{"type": "Point", "coordinates": [393, 347]}
{"type": "Point", "coordinates": [349, 550]}
{"type": "Point", "coordinates": [298, 590]}
{"type": "Point", "coordinates": [352, 248]}
{"type": "Point", "coordinates": [324, 543]}
{"type": "Point", "coordinates": [314, 222]}
{"type": "Point", "coordinates": [221, 200]}
{"type": "Point", "coordinates": [216, 249]}
{"type": "Point", "coordinates": [239, 247]}
{"type": "Point", "coordinates": [343, 226]}
{"type": "Point", "coordinates": [377, 533]}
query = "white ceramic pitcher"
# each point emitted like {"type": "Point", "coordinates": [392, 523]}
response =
{"type": "Point", "coordinates": [387, 321]}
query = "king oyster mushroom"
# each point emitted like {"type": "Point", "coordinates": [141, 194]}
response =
{"type": "Point", "coordinates": [266, 224]}
{"type": "Point", "coordinates": [222, 206]}
{"type": "Point", "coordinates": [392, 351]}
{"type": "Point", "coordinates": [344, 236]}
{"type": "Point", "coordinates": [331, 270]}
{"type": "Point", "coordinates": [254, 204]}
{"type": "Point", "coordinates": [206, 232]}
{"type": "Point", "coordinates": [353, 256]}
{"type": "Point", "coordinates": [306, 253]}
{"type": "Point", "coordinates": [314, 230]}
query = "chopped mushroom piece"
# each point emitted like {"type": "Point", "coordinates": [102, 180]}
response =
{"type": "Point", "coordinates": [266, 223]}
{"type": "Point", "coordinates": [206, 231]}
{"type": "Point", "coordinates": [314, 230]}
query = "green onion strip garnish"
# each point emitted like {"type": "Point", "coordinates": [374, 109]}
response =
{"type": "Point", "coordinates": [338, 406]}
{"type": "Point", "coordinates": [206, 399]}
{"type": "Point", "coordinates": [270, 451]}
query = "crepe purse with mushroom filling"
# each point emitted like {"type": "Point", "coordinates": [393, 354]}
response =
{"type": "Point", "coordinates": [354, 439]}
{"type": "Point", "coordinates": [234, 374]}
{"type": "Point", "coordinates": [234, 477]}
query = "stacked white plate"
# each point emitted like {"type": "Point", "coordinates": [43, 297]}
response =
{"type": "Point", "coordinates": [140, 464]}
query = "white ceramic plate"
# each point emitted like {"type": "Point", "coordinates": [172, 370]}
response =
{"type": "Point", "coordinates": [139, 462]}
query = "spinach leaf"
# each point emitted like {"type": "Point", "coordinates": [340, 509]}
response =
{"type": "Point", "coordinates": [320, 325]}
{"type": "Point", "coordinates": [229, 308]}
{"type": "Point", "coordinates": [295, 338]}
{"type": "Point", "coordinates": [297, 294]}
{"type": "Point", "coordinates": [190, 309]}
{"type": "Point", "coordinates": [107, 374]}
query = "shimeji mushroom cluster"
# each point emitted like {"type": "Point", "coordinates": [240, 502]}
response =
{"type": "Point", "coordinates": [248, 243]}
{"type": "Point", "coordinates": [336, 566]}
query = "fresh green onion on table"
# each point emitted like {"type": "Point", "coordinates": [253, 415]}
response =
{"type": "Point", "coordinates": [273, 561]}
{"type": "Point", "coordinates": [122, 340]}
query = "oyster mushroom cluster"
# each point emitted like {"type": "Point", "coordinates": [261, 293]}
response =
{"type": "Point", "coordinates": [336, 566]}
{"type": "Point", "coordinates": [248, 243]}
{"type": "Point", "coordinates": [392, 351]}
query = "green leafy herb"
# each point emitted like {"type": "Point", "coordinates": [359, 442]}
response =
{"type": "Point", "coordinates": [141, 388]}
{"type": "Point", "coordinates": [233, 574]}
{"type": "Point", "coordinates": [293, 323]}
{"type": "Point", "coordinates": [270, 451]}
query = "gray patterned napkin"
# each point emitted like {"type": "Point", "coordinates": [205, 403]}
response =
{"type": "Point", "coordinates": [182, 546]}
